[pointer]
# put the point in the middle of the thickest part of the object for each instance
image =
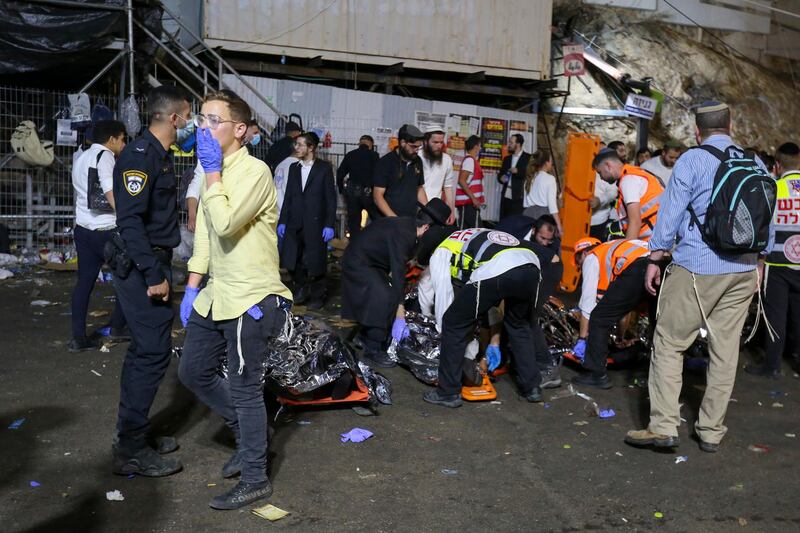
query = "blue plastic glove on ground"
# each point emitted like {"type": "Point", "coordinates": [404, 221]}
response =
{"type": "Point", "coordinates": [281, 230]}
{"type": "Point", "coordinates": [493, 357]}
{"type": "Point", "coordinates": [327, 234]}
{"type": "Point", "coordinates": [187, 303]}
{"type": "Point", "coordinates": [356, 435]}
{"type": "Point", "coordinates": [580, 349]}
{"type": "Point", "coordinates": [209, 152]}
{"type": "Point", "coordinates": [399, 329]}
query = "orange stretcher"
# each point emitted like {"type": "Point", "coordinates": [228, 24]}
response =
{"type": "Point", "coordinates": [576, 215]}
{"type": "Point", "coordinates": [359, 395]}
{"type": "Point", "coordinates": [482, 393]}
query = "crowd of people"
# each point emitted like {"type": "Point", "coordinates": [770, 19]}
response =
{"type": "Point", "coordinates": [656, 239]}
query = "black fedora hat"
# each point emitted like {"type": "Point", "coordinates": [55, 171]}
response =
{"type": "Point", "coordinates": [437, 210]}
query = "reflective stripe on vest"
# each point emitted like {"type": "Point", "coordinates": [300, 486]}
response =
{"type": "Point", "coordinates": [475, 185]}
{"type": "Point", "coordinates": [472, 248]}
{"type": "Point", "coordinates": [786, 250]}
{"type": "Point", "coordinates": [648, 204]}
{"type": "Point", "coordinates": [614, 257]}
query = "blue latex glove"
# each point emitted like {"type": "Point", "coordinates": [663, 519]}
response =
{"type": "Point", "coordinates": [356, 435]}
{"type": "Point", "coordinates": [399, 329]}
{"type": "Point", "coordinates": [493, 357]}
{"type": "Point", "coordinates": [187, 303]}
{"type": "Point", "coordinates": [209, 152]}
{"type": "Point", "coordinates": [255, 312]}
{"type": "Point", "coordinates": [327, 234]}
{"type": "Point", "coordinates": [281, 230]}
{"type": "Point", "coordinates": [580, 349]}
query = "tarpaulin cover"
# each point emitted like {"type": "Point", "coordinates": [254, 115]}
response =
{"type": "Point", "coordinates": [37, 36]}
{"type": "Point", "coordinates": [307, 356]}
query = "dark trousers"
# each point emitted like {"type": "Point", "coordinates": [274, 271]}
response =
{"type": "Point", "coordinates": [356, 204]}
{"type": "Point", "coordinates": [147, 358]}
{"type": "Point", "coordinates": [599, 231]}
{"type": "Point", "coordinates": [551, 277]}
{"type": "Point", "coordinates": [89, 245]}
{"type": "Point", "coordinates": [240, 399]}
{"type": "Point", "coordinates": [518, 287]}
{"type": "Point", "coordinates": [623, 296]}
{"type": "Point", "coordinates": [305, 286]}
{"type": "Point", "coordinates": [468, 216]}
{"type": "Point", "coordinates": [374, 339]}
{"type": "Point", "coordinates": [509, 207]}
{"type": "Point", "coordinates": [781, 290]}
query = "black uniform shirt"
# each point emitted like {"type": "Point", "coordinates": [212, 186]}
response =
{"type": "Point", "coordinates": [401, 179]}
{"type": "Point", "coordinates": [145, 192]}
{"type": "Point", "coordinates": [360, 165]}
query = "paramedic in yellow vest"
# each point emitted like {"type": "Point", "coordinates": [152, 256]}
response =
{"type": "Point", "coordinates": [613, 286]}
{"type": "Point", "coordinates": [489, 266]}
{"type": "Point", "coordinates": [781, 284]}
{"type": "Point", "coordinates": [639, 193]}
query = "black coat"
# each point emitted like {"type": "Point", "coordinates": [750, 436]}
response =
{"type": "Point", "coordinates": [518, 179]}
{"type": "Point", "coordinates": [374, 269]}
{"type": "Point", "coordinates": [306, 213]}
{"type": "Point", "coordinates": [280, 150]}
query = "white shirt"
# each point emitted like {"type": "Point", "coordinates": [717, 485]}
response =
{"type": "Point", "coordinates": [632, 188]}
{"type": "Point", "coordinates": [519, 175]}
{"type": "Point", "coordinates": [468, 165]}
{"type": "Point", "coordinates": [281, 173]}
{"type": "Point", "coordinates": [543, 193]}
{"type": "Point", "coordinates": [305, 170]}
{"type": "Point", "coordinates": [85, 217]}
{"type": "Point", "coordinates": [607, 194]}
{"type": "Point", "coordinates": [654, 165]}
{"type": "Point", "coordinates": [437, 176]}
{"type": "Point", "coordinates": [193, 189]}
{"type": "Point", "coordinates": [442, 284]}
{"type": "Point", "coordinates": [590, 272]}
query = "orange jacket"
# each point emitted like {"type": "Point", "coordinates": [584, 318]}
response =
{"type": "Point", "coordinates": [614, 257]}
{"type": "Point", "coordinates": [648, 204]}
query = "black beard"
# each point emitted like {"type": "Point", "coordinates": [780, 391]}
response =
{"type": "Point", "coordinates": [430, 156]}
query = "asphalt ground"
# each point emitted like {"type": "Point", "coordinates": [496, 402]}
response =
{"type": "Point", "coordinates": [501, 466]}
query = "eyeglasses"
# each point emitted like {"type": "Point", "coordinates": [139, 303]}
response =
{"type": "Point", "coordinates": [209, 121]}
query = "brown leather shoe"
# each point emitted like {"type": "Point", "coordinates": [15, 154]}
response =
{"type": "Point", "coordinates": [643, 437]}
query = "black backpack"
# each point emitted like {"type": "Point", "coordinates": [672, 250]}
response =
{"type": "Point", "coordinates": [742, 203]}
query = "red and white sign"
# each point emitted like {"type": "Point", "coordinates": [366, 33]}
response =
{"type": "Point", "coordinates": [573, 60]}
{"type": "Point", "coordinates": [791, 248]}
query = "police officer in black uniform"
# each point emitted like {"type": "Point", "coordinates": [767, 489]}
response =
{"type": "Point", "coordinates": [147, 222]}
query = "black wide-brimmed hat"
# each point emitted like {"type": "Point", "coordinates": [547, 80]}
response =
{"type": "Point", "coordinates": [437, 210]}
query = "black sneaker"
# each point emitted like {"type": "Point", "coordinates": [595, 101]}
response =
{"type": "Point", "coordinates": [145, 462]}
{"type": "Point", "coordinates": [762, 371]}
{"type": "Point", "coordinates": [599, 381]}
{"type": "Point", "coordinates": [82, 344]}
{"type": "Point", "coordinates": [535, 395]}
{"type": "Point", "coordinates": [551, 377]}
{"type": "Point", "coordinates": [233, 467]}
{"type": "Point", "coordinates": [379, 359]}
{"type": "Point", "coordinates": [164, 445]}
{"type": "Point", "coordinates": [433, 396]}
{"type": "Point", "coordinates": [242, 494]}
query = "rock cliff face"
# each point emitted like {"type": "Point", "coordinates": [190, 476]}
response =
{"type": "Point", "coordinates": [766, 104]}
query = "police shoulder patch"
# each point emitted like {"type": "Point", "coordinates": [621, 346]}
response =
{"type": "Point", "coordinates": [134, 181]}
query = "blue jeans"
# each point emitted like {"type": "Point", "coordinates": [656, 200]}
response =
{"type": "Point", "coordinates": [240, 399]}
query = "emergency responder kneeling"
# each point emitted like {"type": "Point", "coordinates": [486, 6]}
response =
{"type": "Point", "coordinates": [486, 267]}
{"type": "Point", "coordinates": [613, 285]}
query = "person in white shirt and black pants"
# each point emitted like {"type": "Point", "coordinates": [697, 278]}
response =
{"type": "Point", "coordinates": [92, 179]}
{"type": "Point", "coordinates": [512, 177]}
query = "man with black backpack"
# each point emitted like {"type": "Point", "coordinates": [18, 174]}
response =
{"type": "Point", "coordinates": [719, 205]}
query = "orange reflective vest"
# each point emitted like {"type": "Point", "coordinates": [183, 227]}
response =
{"type": "Point", "coordinates": [614, 257]}
{"type": "Point", "coordinates": [648, 204]}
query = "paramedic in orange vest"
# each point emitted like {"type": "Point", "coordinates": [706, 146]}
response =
{"type": "Point", "coordinates": [613, 286]}
{"type": "Point", "coordinates": [639, 194]}
{"type": "Point", "coordinates": [469, 193]}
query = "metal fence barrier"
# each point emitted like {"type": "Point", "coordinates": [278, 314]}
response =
{"type": "Point", "coordinates": [37, 203]}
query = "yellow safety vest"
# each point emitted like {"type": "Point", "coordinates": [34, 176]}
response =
{"type": "Point", "coordinates": [786, 250]}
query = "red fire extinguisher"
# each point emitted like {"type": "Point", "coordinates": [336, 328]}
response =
{"type": "Point", "coordinates": [326, 143]}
